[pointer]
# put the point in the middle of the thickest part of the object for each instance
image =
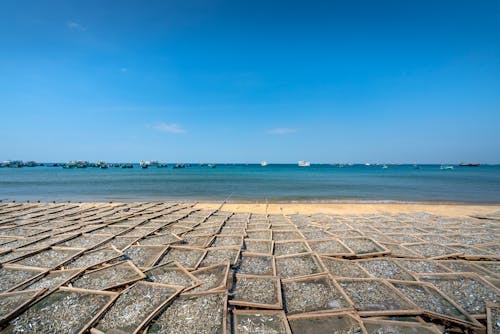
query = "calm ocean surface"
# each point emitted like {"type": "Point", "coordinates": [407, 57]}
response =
{"type": "Point", "coordinates": [254, 183]}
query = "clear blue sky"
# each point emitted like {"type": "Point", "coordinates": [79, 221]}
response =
{"type": "Point", "coordinates": [245, 81]}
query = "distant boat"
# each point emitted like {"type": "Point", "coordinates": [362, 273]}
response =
{"type": "Point", "coordinates": [179, 166]}
{"type": "Point", "coordinates": [302, 163]}
{"type": "Point", "coordinates": [212, 165]}
{"type": "Point", "coordinates": [462, 164]}
{"type": "Point", "coordinates": [446, 168]}
{"type": "Point", "coordinates": [263, 163]}
{"type": "Point", "coordinates": [385, 167]}
{"type": "Point", "coordinates": [153, 163]}
{"type": "Point", "coordinates": [144, 164]}
{"type": "Point", "coordinates": [161, 166]}
{"type": "Point", "coordinates": [13, 164]}
{"type": "Point", "coordinates": [102, 165]}
{"type": "Point", "coordinates": [127, 166]}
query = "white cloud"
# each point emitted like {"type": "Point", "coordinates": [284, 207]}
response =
{"type": "Point", "coordinates": [281, 131]}
{"type": "Point", "coordinates": [73, 25]}
{"type": "Point", "coordinates": [170, 128]}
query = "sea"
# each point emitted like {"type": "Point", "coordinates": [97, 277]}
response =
{"type": "Point", "coordinates": [254, 183]}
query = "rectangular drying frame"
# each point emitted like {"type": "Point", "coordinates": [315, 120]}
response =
{"type": "Point", "coordinates": [268, 312]}
{"type": "Point", "coordinates": [489, 316]}
{"type": "Point", "coordinates": [152, 314]}
{"type": "Point", "coordinates": [473, 322]}
{"type": "Point", "coordinates": [429, 328]}
{"type": "Point", "coordinates": [273, 263]}
{"type": "Point", "coordinates": [41, 273]}
{"type": "Point", "coordinates": [351, 314]}
{"type": "Point", "coordinates": [415, 310]}
{"type": "Point", "coordinates": [220, 287]}
{"type": "Point", "coordinates": [179, 267]}
{"type": "Point", "coordinates": [224, 312]}
{"type": "Point", "coordinates": [21, 307]}
{"type": "Point", "coordinates": [131, 265]}
{"type": "Point", "coordinates": [468, 275]}
{"type": "Point", "coordinates": [276, 306]}
{"type": "Point", "coordinates": [337, 286]}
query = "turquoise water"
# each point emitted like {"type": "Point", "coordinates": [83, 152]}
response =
{"type": "Point", "coordinates": [254, 183]}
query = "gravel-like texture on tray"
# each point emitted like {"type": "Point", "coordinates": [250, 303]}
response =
{"type": "Point", "coordinates": [328, 247]}
{"type": "Point", "coordinates": [292, 247]}
{"type": "Point", "coordinates": [186, 257]}
{"type": "Point", "coordinates": [51, 280]}
{"type": "Point", "coordinates": [60, 312]}
{"type": "Point", "coordinates": [312, 295]}
{"type": "Point", "coordinates": [93, 258]}
{"type": "Point", "coordinates": [9, 303]}
{"type": "Point", "coordinates": [373, 296]}
{"type": "Point", "coordinates": [10, 277]}
{"type": "Point", "coordinates": [256, 290]}
{"type": "Point", "coordinates": [260, 324]}
{"type": "Point", "coordinates": [144, 256]}
{"type": "Point", "coordinates": [259, 246]}
{"type": "Point", "coordinates": [202, 314]}
{"type": "Point", "coordinates": [295, 266]}
{"type": "Point", "coordinates": [384, 268]}
{"type": "Point", "coordinates": [172, 276]}
{"type": "Point", "coordinates": [133, 306]}
{"type": "Point", "coordinates": [344, 268]}
{"type": "Point", "coordinates": [428, 299]}
{"type": "Point", "coordinates": [219, 255]}
{"type": "Point", "coordinates": [85, 241]}
{"type": "Point", "coordinates": [471, 294]}
{"type": "Point", "coordinates": [105, 278]}
{"type": "Point", "coordinates": [418, 266]}
{"type": "Point", "coordinates": [362, 245]}
{"type": "Point", "coordinates": [49, 258]}
{"type": "Point", "coordinates": [331, 324]}
{"type": "Point", "coordinates": [256, 265]}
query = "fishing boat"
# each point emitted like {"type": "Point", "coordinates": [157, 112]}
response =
{"type": "Point", "coordinates": [446, 167]}
{"type": "Point", "coordinates": [212, 165]}
{"type": "Point", "coordinates": [144, 164]}
{"type": "Point", "coordinates": [263, 163]}
{"type": "Point", "coordinates": [127, 166]}
{"type": "Point", "coordinates": [463, 164]}
{"type": "Point", "coordinates": [302, 163]}
{"type": "Point", "coordinates": [179, 166]}
{"type": "Point", "coordinates": [13, 164]}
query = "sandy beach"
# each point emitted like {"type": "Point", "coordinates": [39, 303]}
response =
{"type": "Point", "coordinates": [186, 267]}
{"type": "Point", "coordinates": [356, 208]}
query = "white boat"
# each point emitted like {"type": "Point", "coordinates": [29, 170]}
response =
{"type": "Point", "coordinates": [263, 163]}
{"type": "Point", "coordinates": [302, 163]}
